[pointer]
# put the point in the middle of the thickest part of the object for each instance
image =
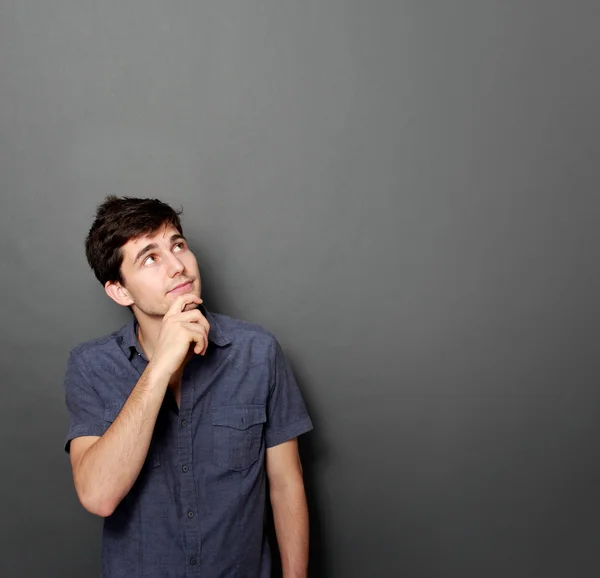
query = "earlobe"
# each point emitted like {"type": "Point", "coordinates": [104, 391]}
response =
{"type": "Point", "coordinates": [118, 293]}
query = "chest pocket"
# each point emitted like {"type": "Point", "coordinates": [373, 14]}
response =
{"type": "Point", "coordinates": [153, 458]}
{"type": "Point", "coordinates": [238, 433]}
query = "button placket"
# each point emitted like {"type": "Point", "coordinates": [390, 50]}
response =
{"type": "Point", "coordinates": [192, 539]}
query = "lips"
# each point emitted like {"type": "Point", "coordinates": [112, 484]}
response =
{"type": "Point", "coordinates": [182, 287]}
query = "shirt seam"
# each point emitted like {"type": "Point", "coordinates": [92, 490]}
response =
{"type": "Point", "coordinates": [293, 430]}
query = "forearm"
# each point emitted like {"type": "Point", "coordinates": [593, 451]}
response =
{"type": "Point", "coordinates": [290, 513]}
{"type": "Point", "coordinates": [108, 469]}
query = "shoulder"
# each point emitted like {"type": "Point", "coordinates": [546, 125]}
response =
{"type": "Point", "coordinates": [101, 367]}
{"type": "Point", "coordinates": [251, 343]}
{"type": "Point", "coordinates": [92, 350]}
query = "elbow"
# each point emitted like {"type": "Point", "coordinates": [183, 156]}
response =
{"type": "Point", "coordinates": [94, 492]}
{"type": "Point", "coordinates": [96, 504]}
{"type": "Point", "coordinates": [103, 510]}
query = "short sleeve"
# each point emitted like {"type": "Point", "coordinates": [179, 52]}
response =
{"type": "Point", "coordinates": [85, 408]}
{"type": "Point", "coordinates": [287, 416]}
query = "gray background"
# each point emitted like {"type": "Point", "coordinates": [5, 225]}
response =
{"type": "Point", "coordinates": [405, 193]}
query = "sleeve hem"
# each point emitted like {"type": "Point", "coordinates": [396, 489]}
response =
{"type": "Point", "coordinates": [285, 434]}
{"type": "Point", "coordinates": [84, 430]}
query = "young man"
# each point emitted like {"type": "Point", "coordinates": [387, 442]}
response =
{"type": "Point", "coordinates": [179, 417]}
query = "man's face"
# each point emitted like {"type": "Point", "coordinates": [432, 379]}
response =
{"type": "Point", "coordinates": [156, 269]}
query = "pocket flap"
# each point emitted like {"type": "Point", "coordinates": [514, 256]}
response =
{"type": "Point", "coordinates": [239, 416]}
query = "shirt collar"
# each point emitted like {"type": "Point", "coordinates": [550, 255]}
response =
{"type": "Point", "coordinates": [127, 335]}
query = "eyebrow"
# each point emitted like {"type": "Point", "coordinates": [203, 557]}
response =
{"type": "Point", "coordinates": [153, 246]}
{"type": "Point", "coordinates": [145, 250]}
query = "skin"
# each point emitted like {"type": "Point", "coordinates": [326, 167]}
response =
{"type": "Point", "coordinates": [161, 283]}
{"type": "Point", "coordinates": [153, 269]}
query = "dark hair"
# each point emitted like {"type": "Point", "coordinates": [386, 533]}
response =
{"type": "Point", "coordinates": [118, 220]}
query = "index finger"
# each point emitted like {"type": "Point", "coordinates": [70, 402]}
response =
{"type": "Point", "coordinates": [180, 302]}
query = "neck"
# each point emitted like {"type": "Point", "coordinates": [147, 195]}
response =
{"type": "Point", "coordinates": [148, 330]}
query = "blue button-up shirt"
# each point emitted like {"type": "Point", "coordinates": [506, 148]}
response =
{"type": "Point", "coordinates": [197, 509]}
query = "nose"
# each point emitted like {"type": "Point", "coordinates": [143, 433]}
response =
{"type": "Point", "coordinates": [174, 265]}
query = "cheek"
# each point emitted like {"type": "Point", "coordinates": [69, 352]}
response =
{"type": "Point", "coordinates": [191, 264]}
{"type": "Point", "coordinates": [146, 287]}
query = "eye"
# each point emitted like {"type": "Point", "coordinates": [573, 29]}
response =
{"type": "Point", "coordinates": [179, 247]}
{"type": "Point", "coordinates": [148, 260]}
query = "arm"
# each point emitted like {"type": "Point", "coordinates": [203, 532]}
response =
{"type": "Point", "coordinates": [290, 511]}
{"type": "Point", "coordinates": [105, 468]}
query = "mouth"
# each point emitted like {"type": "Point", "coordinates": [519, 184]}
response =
{"type": "Point", "coordinates": [181, 288]}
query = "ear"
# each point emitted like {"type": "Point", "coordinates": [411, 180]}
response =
{"type": "Point", "coordinates": [118, 293]}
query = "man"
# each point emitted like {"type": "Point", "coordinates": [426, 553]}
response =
{"type": "Point", "coordinates": [179, 418]}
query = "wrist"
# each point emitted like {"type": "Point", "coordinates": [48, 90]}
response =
{"type": "Point", "coordinates": [158, 374]}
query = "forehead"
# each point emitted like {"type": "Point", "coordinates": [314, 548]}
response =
{"type": "Point", "coordinates": [162, 237]}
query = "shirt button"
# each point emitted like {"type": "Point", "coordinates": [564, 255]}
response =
{"type": "Point", "coordinates": [190, 514]}
{"type": "Point", "coordinates": [193, 561]}
{"type": "Point", "coordinates": [185, 468]}
{"type": "Point", "coordinates": [183, 423]}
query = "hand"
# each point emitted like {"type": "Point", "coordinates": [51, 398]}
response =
{"type": "Point", "coordinates": [179, 331]}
